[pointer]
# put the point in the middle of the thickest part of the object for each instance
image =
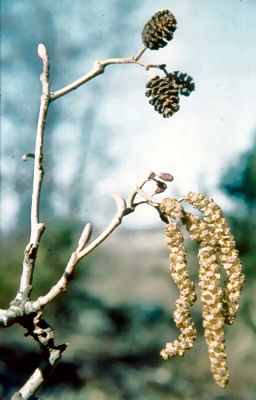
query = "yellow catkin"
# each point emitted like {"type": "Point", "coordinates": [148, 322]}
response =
{"type": "Point", "coordinates": [211, 296]}
{"type": "Point", "coordinates": [178, 266]}
{"type": "Point", "coordinates": [228, 254]}
{"type": "Point", "coordinates": [220, 305]}
{"type": "Point", "coordinates": [212, 312]}
{"type": "Point", "coordinates": [172, 208]}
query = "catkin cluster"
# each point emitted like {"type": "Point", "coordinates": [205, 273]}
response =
{"type": "Point", "coordinates": [179, 273]}
{"type": "Point", "coordinates": [217, 249]}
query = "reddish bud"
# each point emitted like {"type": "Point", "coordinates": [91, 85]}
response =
{"type": "Point", "coordinates": [165, 176]}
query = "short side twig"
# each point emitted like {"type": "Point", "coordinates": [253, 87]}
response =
{"type": "Point", "coordinates": [98, 69]}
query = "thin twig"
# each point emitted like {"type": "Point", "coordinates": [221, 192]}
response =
{"type": "Point", "coordinates": [144, 48]}
{"type": "Point", "coordinates": [130, 202]}
{"type": "Point", "coordinates": [98, 69]}
{"type": "Point", "coordinates": [147, 197]}
{"type": "Point", "coordinates": [37, 228]}
{"type": "Point", "coordinates": [38, 166]}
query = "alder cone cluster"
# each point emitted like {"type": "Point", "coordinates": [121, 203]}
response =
{"type": "Point", "coordinates": [159, 30]}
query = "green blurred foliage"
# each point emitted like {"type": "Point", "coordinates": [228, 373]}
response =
{"type": "Point", "coordinates": [57, 244]}
{"type": "Point", "coordinates": [239, 182]}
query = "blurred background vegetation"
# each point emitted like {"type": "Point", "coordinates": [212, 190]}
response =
{"type": "Point", "coordinates": [116, 314]}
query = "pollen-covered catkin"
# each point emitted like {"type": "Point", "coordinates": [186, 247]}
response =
{"type": "Point", "coordinates": [198, 229]}
{"type": "Point", "coordinates": [235, 278]}
{"type": "Point", "coordinates": [173, 208]}
{"type": "Point", "coordinates": [220, 304]}
{"type": "Point", "coordinates": [212, 312]}
{"type": "Point", "coordinates": [178, 266]}
{"type": "Point", "coordinates": [226, 246]}
{"type": "Point", "coordinates": [211, 296]}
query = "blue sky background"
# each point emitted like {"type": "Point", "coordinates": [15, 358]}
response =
{"type": "Point", "coordinates": [110, 117]}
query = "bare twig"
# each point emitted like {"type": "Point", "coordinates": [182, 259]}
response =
{"type": "Point", "coordinates": [130, 202]}
{"type": "Point", "coordinates": [148, 198]}
{"type": "Point", "coordinates": [37, 228]}
{"type": "Point", "coordinates": [38, 167]}
{"type": "Point", "coordinates": [144, 48]}
{"type": "Point", "coordinates": [98, 69]}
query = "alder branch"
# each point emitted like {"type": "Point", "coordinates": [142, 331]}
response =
{"type": "Point", "coordinates": [23, 311]}
{"type": "Point", "coordinates": [18, 309]}
{"type": "Point", "coordinates": [37, 228]}
{"type": "Point", "coordinates": [21, 302]}
{"type": "Point", "coordinates": [98, 69]}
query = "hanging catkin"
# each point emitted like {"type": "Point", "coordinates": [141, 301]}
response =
{"type": "Point", "coordinates": [179, 273]}
{"type": "Point", "coordinates": [226, 247]}
{"type": "Point", "coordinates": [220, 304]}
